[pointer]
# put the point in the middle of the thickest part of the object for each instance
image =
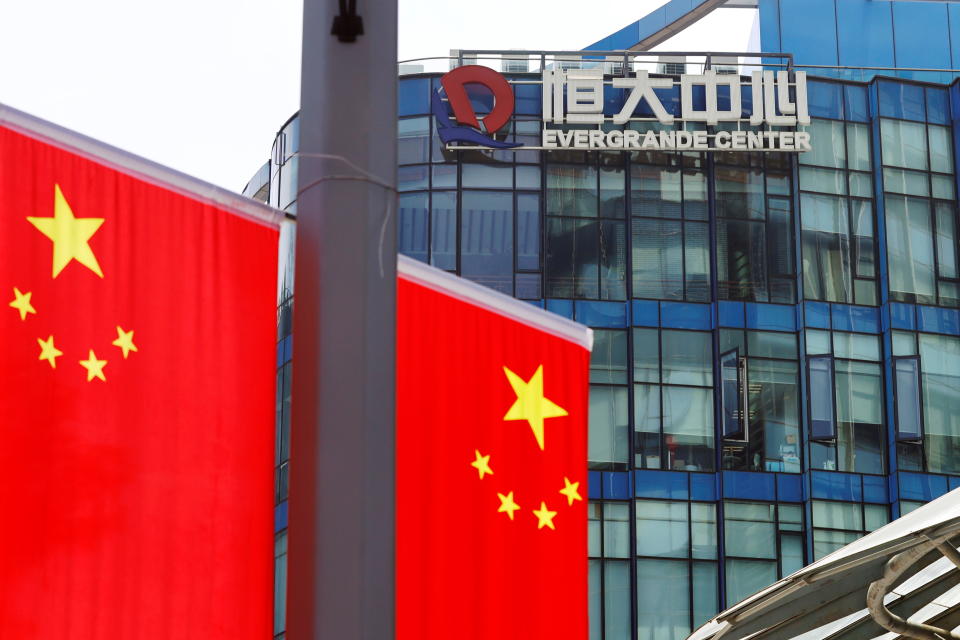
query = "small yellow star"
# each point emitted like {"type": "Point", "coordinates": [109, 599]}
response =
{"type": "Point", "coordinates": [507, 505]}
{"type": "Point", "coordinates": [570, 490]}
{"type": "Point", "coordinates": [49, 352]}
{"type": "Point", "coordinates": [21, 302]}
{"type": "Point", "coordinates": [544, 516]}
{"type": "Point", "coordinates": [124, 341]}
{"type": "Point", "coordinates": [482, 464]}
{"type": "Point", "coordinates": [70, 235]}
{"type": "Point", "coordinates": [94, 367]}
{"type": "Point", "coordinates": [530, 404]}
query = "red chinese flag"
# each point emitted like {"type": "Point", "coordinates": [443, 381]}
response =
{"type": "Point", "coordinates": [491, 464]}
{"type": "Point", "coordinates": [136, 405]}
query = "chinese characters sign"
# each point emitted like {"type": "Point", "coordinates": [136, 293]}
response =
{"type": "Point", "coordinates": [708, 111]}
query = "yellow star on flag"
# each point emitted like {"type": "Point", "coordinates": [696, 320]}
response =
{"type": "Point", "coordinates": [544, 516]}
{"type": "Point", "coordinates": [530, 404]}
{"type": "Point", "coordinates": [94, 367]}
{"type": "Point", "coordinates": [482, 464]}
{"type": "Point", "coordinates": [507, 505]}
{"type": "Point", "coordinates": [21, 302]}
{"type": "Point", "coordinates": [70, 235]}
{"type": "Point", "coordinates": [124, 341]}
{"type": "Point", "coordinates": [49, 352]}
{"type": "Point", "coordinates": [570, 490]}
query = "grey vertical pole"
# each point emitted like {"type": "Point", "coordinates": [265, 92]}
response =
{"type": "Point", "coordinates": [341, 550]}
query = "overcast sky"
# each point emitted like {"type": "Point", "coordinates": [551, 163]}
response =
{"type": "Point", "coordinates": [203, 85]}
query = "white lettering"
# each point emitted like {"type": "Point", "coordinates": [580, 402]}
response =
{"type": "Point", "coordinates": [642, 86]}
{"type": "Point", "coordinates": [700, 140]}
{"type": "Point", "coordinates": [722, 140]}
{"type": "Point", "coordinates": [550, 138]}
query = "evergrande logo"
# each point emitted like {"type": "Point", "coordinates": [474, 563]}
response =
{"type": "Point", "coordinates": [70, 236]}
{"type": "Point", "coordinates": [531, 405]}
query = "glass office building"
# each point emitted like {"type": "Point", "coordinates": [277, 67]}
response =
{"type": "Point", "coordinates": [817, 294]}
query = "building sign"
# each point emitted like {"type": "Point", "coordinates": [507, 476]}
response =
{"type": "Point", "coordinates": [573, 111]}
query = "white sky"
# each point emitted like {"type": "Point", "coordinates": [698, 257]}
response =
{"type": "Point", "coordinates": [203, 85]}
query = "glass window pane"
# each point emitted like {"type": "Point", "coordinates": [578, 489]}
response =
{"type": "Point", "coordinates": [646, 420]}
{"type": "Point", "coordinates": [940, 365]}
{"type": "Point", "coordinates": [616, 530]}
{"type": "Point", "coordinates": [696, 256]}
{"type": "Point", "coordinates": [941, 149]}
{"type": "Point", "coordinates": [612, 191]}
{"type": "Point", "coordinates": [820, 372]}
{"type": "Point", "coordinates": [903, 144]}
{"type": "Point", "coordinates": [688, 428]}
{"type": "Point", "coordinates": [910, 249]}
{"type": "Point", "coordinates": [571, 263]}
{"type": "Point", "coordinates": [826, 248]}
{"type": "Point", "coordinates": [662, 529]}
{"type": "Point", "coordinates": [742, 260]}
{"type": "Point", "coordinates": [657, 259]}
{"type": "Point", "coordinates": [828, 145]}
{"type": "Point", "coordinates": [863, 237]}
{"type": "Point", "coordinates": [594, 529]}
{"type": "Point", "coordinates": [408, 179]}
{"type": "Point", "coordinates": [487, 176]}
{"type": "Point", "coordinates": [413, 143]}
{"type": "Point", "coordinates": [860, 442]}
{"type": "Point", "coordinates": [861, 184]}
{"type": "Point", "coordinates": [907, 390]}
{"type": "Point", "coordinates": [904, 343]}
{"type": "Point", "coordinates": [730, 395]}
{"type": "Point", "coordinates": [826, 542]}
{"type": "Point", "coordinates": [875, 516]}
{"type": "Point", "coordinates": [791, 553]}
{"type": "Point", "coordinates": [695, 195]}
{"type": "Point", "coordinates": [655, 191]}
{"type": "Point", "coordinates": [687, 357]}
{"type": "Point", "coordinates": [528, 231]}
{"type": "Point", "coordinates": [818, 342]}
{"type": "Point", "coordinates": [595, 598]}
{"type": "Point", "coordinates": [608, 360]}
{"type": "Point", "coordinates": [613, 260]}
{"type": "Point", "coordinates": [616, 600]}
{"type": "Point", "coordinates": [837, 515]}
{"type": "Point", "coordinates": [703, 530]}
{"type": "Point", "coordinates": [280, 584]}
{"type": "Point", "coordinates": [609, 441]}
{"type": "Point", "coordinates": [646, 355]}
{"type": "Point", "coordinates": [750, 530]}
{"type": "Point", "coordinates": [942, 187]}
{"type": "Point", "coordinates": [769, 344]}
{"type": "Point", "coordinates": [412, 225]}
{"type": "Point", "coordinates": [740, 193]}
{"type": "Point", "coordinates": [858, 146]}
{"type": "Point", "coordinates": [571, 190]}
{"type": "Point", "coordinates": [705, 592]}
{"type": "Point", "coordinates": [856, 346]}
{"type": "Point", "coordinates": [663, 599]}
{"type": "Point", "coordinates": [528, 177]}
{"type": "Point", "coordinates": [911, 183]}
{"type": "Point", "coordinates": [823, 180]}
{"type": "Point", "coordinates": [486, 239]}
{"type": "Point", "coordinates": [746, 577]}
{"type": "Point", "coordinates": [946, 240]}
{"type": "Point", "coordinates": [443, 230]}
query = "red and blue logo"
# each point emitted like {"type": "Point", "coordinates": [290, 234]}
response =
{"type": "Point", "coordinates": [456, 87]}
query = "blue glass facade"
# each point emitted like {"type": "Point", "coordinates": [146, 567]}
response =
{"type": "Point", "coordinates": [777, 360]}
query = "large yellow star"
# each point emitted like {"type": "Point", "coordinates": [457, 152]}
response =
{"type": "Point", "coordinates": [49, 352]}
{"type": "Point", "coordinates": [70, 235]}
{"type": "Point", "coordinates": [507, 505]}
{"type": "Point", "coordinates": [21, 302]}
{"type": "Point", "coordinates": [481, 464]}
{"type": "Point", "coordinates": [570, 490]}
{"type": "Point", "coordinates": [124, 341]}
{"type": "Point", "coordinates": [544, 516]}
{"type": "Point", "coordinates": [531, 405]}
{"type": "Point", "coordinates": [94, 367]}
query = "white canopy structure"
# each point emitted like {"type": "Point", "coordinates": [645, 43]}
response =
{"type": "Point", "coordinates": [901, 581]}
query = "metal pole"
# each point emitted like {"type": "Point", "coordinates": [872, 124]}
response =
{"type": "Point", "coordinates": [341, 553]}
